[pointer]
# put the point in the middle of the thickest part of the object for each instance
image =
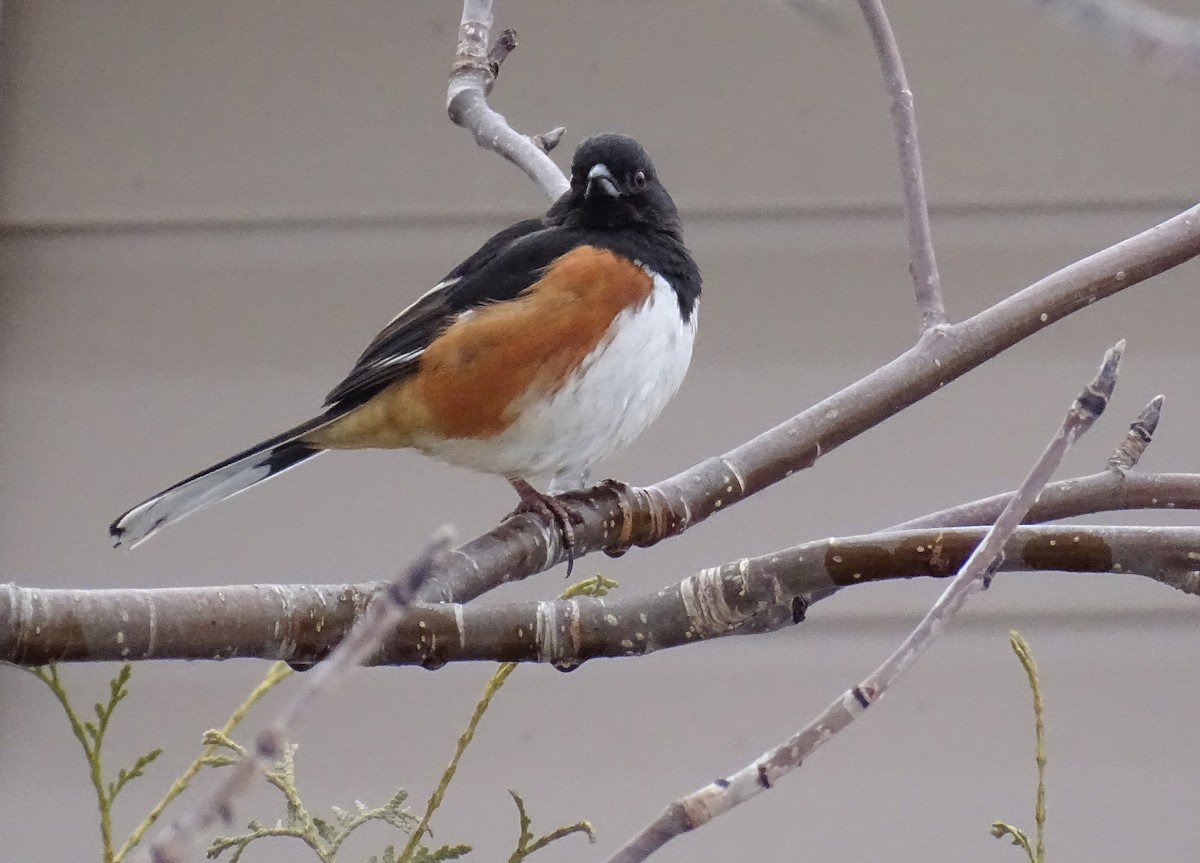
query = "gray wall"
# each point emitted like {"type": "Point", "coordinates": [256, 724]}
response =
{"type": "Point", "coordinates": [208, 208]}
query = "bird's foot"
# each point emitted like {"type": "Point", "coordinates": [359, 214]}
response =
{"type": "Point", "coordinates": [535, 502]}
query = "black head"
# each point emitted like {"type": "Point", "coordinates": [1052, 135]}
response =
{"type": "Point", "coordinates": [614, 185]}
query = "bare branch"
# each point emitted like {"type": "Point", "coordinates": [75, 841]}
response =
{"type": "Point", "coordinates": [923, 264]}
{"type": "Point", "coordinates": [389, 606]}
{"type": "Point", "coordinates": [719, 797]}
{"type": "Point", "coordinates": [476, 65]}
{"type": "Point", "coordinates": [258, 622]}
{"type": "Point", "coordinates": [1171, 41]}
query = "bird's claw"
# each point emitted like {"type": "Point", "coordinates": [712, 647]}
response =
{"type": "Point", "coordinates": [536, 503]}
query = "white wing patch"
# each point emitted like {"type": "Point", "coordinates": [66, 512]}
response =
{"type": "Point", "coordinates": [440, 286]}
{"type": "Point", "coordinates": [397, 360]}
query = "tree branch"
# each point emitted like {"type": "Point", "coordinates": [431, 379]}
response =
{"type": "Point", "coordinates": [700, 807]}
{"type": "Point", "coordinates": [923, 263]}
{"type": "Point", "coordinates": [1110, 490]}
{"type": "Point", "coordinates": [476, 65]}
{"type": "Point", "coordinates": [301, 623]}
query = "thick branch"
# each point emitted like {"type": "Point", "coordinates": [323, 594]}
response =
{"type": "Point", "coordinates": [476, 65]}
{"type": "Point", "coordinates": [302, 623]}
{"type": "Point", "coordinates": [700, 807]}
{"type": "Point", "coordinates": [923, 264]}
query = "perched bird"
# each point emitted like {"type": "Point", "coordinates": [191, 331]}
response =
{"type": "Point", "coordinates": [554, 345]}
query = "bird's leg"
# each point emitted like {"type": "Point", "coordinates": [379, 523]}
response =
{"type": "Point", "coordinates": [536, 503]}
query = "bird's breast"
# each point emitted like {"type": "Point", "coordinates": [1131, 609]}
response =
{"type": "Point", "coordinates": [574, 411]}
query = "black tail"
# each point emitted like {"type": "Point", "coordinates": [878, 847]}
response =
{"type": "Point", "coordinates": [235, 474]}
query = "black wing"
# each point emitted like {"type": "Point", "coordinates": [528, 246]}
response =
{"type": "Point", "coordinates": [503, 267]}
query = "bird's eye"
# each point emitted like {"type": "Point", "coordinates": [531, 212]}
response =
{"type": "Point", "coordinates": [638, 180]}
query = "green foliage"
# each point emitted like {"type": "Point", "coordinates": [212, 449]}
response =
{"type": "Point", "coordinates": [275, 674]}
{"type": "Point", "coordinates": [597, 585]}
{"type": "Point", "coordinates": [1035, 851]}
{"type": "Point", "coordinates": [91, 734]}
{"type": "Point", "coordinates": [526, 844]}
{"type": "Point", "coordinates": [324, 836]}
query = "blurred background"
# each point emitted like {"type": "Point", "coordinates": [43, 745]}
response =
{"type": "Point", "coordinates": [207, 209]}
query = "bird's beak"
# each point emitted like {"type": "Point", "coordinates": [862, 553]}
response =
{"type": "Point", "coordinates": [601, 181]}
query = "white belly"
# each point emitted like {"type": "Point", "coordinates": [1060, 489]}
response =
{"type": "Point", "coordinates": [619, 389]}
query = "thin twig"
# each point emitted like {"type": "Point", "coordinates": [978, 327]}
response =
{"type": "Point", "coordinates": [389, 606]}
{"type": "Point", "coordinates": [1066, 498]}
{"type": "Point", "coordinates": [702, 806]}
{"type": "Point", "coordinates": [1108, 491]}
{"type": "Point", "coordinates": [1021, 647]}
{"type": "Point", "coordinates": [476, 65]}
{"type": "Point", "coordinates": [923, 264]}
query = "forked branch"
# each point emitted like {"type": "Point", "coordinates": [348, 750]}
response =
{"type": "Point", "coordinates": [477, 62]}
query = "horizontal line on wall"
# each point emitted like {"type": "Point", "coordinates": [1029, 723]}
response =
{"type": "Point", "coordinates": [698, 215]}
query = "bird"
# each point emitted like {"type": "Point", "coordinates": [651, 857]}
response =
{"type": "Point", "coordinates": [554, 345]}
